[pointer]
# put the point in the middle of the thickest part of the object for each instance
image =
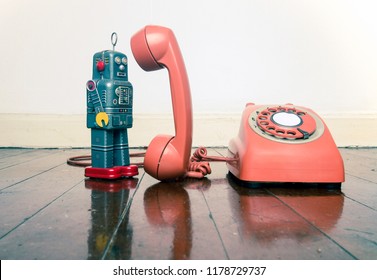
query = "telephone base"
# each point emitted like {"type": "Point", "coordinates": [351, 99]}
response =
{"type": "Point", "coordinates": [115, 172]}
{"type": "Point", "coordinates": [284, 144]}
{"type": "Point", "coordinates": [282, 185]}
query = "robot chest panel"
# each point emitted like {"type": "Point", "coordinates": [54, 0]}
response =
{"type": "Point", "coordinates": [123, 95]}
{"type": "Point", "coordinates": [115, 94]}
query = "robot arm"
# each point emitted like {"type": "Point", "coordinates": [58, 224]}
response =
{"type": "Point", "coordinates": [102, 119]}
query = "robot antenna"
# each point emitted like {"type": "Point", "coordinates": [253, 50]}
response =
{"type": "Point", "coordinates": [114, 39]}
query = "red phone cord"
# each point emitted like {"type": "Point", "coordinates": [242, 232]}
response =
{"type": "Point", "coordinates": [198, 165]}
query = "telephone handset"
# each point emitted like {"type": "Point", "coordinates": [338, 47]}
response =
{"type": "Point", "coordinates": [154, 48]}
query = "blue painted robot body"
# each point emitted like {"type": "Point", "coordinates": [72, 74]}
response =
{"type": "Point", "coordinates": [109, 109]}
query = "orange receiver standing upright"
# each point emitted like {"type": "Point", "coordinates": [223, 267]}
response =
{"type": "Point", "coordinates": [154, 48]}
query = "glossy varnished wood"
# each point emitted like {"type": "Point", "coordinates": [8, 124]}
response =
{"type": "Point", "coordinates": [50, 211]}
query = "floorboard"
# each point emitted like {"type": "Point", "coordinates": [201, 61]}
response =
{"type": "Point", "coordinates": [51, 211]}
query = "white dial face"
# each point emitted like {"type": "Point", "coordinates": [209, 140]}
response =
{"type": "Point", "coordinates": [286, 119]}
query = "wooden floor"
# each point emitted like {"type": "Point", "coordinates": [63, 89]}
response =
{"type": "Point", "coordinates": [49, 211]}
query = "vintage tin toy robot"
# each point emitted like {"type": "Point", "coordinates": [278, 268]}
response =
{"type": "Point", "coordinates": [109, 115]}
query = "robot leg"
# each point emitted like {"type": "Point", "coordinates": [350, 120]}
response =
{"type": "Point", "coordinates": [109, 162]}
{"type": "Point", "coordinates": [121, 151]}
{"type": "Point", "coordinates": [102, 148]}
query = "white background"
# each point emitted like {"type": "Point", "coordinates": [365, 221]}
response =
{"type": "Point", "coordinates": [318, 54]}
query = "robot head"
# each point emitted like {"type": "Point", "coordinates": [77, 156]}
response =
{"type": "Point", "coordinates": [110, 65]}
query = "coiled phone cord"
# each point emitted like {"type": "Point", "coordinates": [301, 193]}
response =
{"type": "Point", "coordinates": [198, 166]}
{"type": "Point", "coordinates": [199, 163]}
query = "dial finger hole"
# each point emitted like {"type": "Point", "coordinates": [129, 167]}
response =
{"type": "Point", "coordinates": [280, 131]}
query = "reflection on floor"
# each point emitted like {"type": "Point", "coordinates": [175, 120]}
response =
{"type": "Point", "coordinates": [50, 211]}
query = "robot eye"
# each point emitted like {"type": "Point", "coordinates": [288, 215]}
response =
{"type": "Point", "coordinates": [117, 59]}
{"type": "Point", "coordinates": [124, 60]}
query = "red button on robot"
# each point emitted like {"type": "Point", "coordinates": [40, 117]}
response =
{"type": "Point", "coordinates": [100, 66]}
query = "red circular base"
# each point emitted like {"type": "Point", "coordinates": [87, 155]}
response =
{"type": "Point", "coordinates": [112, 172]}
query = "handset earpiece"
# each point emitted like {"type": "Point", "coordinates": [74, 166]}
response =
{"type": "Point", "coordinates": [155, 47]}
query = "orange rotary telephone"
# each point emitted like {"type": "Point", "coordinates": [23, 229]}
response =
{"type": "Point", "coordinates": [284, 143]}
{"type": "Point", "coordinates": [154, 48]}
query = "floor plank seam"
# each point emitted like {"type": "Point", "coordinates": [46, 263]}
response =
{"type": "Point", "coordinates": [121, 220]}
{"type": "Point", "coordinates": [39, 210]}
{"type": "Point", "coordinates": [358, 202]}
{"type": "Point", "coordinates": [216, 228]}
{"type": "Point", "coordinates": [15, 155]}
{"type": "Point", "coordinates": [31, 177]}
{"type": "Point", "coordinates": [35, 158]}
{"type": "Point", "coordinates": [361, 178]}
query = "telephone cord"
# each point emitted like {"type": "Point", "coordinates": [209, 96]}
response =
{"type": "Point", "coordinates": [198, 166]}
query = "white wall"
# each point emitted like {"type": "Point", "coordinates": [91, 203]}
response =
{"type": "Point", "coordinates": [318, 54]}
